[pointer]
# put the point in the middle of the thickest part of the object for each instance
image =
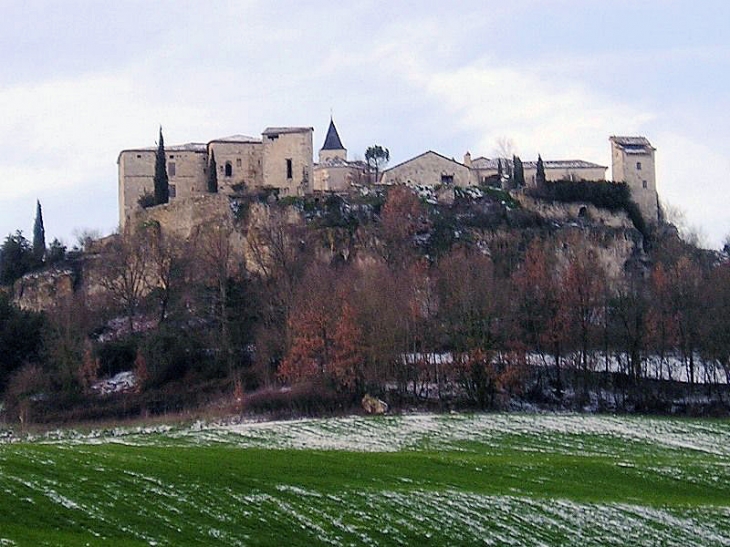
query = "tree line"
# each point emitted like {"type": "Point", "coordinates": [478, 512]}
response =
{"type": "Point", "coordinates": [534, 318]}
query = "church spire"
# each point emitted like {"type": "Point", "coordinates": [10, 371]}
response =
{"type": "Point", "coordinates": [332, 140]}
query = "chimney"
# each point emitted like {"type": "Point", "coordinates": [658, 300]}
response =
{"type": "Point", "coordinates": [467, 159]}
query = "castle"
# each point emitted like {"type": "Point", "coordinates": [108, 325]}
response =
{"type": "Point", "coordinates": [282, 160]}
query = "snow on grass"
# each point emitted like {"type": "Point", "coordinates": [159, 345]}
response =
{"type": "Point", "coordinates": [490, 479]}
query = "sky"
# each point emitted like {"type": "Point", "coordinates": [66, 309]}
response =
{"type": "Point", "coordinates": [82, 80]}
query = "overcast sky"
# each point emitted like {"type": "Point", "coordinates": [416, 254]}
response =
{"type": "Point", "coordinates": [82, 80]}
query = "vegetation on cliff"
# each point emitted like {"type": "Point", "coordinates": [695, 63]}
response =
{"type": "Point", "coordinates": [475, 303]}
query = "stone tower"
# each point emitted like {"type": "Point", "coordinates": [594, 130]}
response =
{"type": "Point", "coordinates": [332, 147]}
{"type": "Point", "coordinates": [632, 162]}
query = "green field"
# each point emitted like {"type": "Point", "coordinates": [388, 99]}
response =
{"type": "Point", "coordinates": [485, 479]}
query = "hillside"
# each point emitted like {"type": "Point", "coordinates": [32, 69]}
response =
{"type": "Point", "coordinates": [331, 297]}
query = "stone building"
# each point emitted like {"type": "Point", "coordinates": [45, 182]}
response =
{"type": "Point", "coordinates": [281, 160]}
{"type": "Point", "coordinates": [432, 169]}
{"type": "Point", "coordinates": [486, 169]}
{"type": "Point", "coordinates": [632, 162]}
{"type": "Point", "coordinates": [428, 169]}
{"type": "Point", "coordinates": [334, 173]}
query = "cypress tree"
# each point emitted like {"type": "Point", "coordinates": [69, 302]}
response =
{"type": "Point", "coordinates": [39, 236]}
{"type": "Point", "coordinates": [162, 183]}
{"type": "Point", "coordinates": [519, 172]}
{"type": "Point", "coordinates": [499, 168]}
{"type": "Point", "coordinates": [212, 174]}
{"type": "Point", "coordinates": [540, 172]}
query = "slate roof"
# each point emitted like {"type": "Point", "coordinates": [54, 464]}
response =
{"type": "Point", "coordinates": [332, 140]}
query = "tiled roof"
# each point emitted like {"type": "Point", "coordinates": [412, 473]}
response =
{"type": "Point", "coordinates": [631, 141]}
{"type": "Point", "coordinates": [563, 164]}
{"type": "Point", "coordinates": [282, 130]}
{"type": "Point", "coordinates": [425, 154]}
{"type": "Point", "coordinates": [491, 163]}
{"type": "Point", "coordinates": [237, 138]}
{"type": "Point", "coordinates": [332, 140]}
{"type": "Point", "coordinates": [189, 147]}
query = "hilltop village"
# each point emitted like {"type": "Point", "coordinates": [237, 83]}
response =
{"type": "Point", "coordinates": [282, 161]}
{"type": "Point", "coordinates": [245, 274]}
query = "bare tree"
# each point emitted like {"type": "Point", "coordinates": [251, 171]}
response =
{"type": "Point", "coordinates": [123, 266]}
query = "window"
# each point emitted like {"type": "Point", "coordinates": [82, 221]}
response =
{"type": "Point", "coordinates": [229, 169]}
{"type": "Point", "coordinates": [638, 166]}
{"type": "Point", "coordinates": [289, 170]}
{"type": "Point", "coordinates": [172, 191]}
{"type": "Point", "coordinates": [139, 155]}
{"type": "Point", "coordinates": [238, 162]}
{"type": "Point", "coordinates": [171, 169]}
{"type": "Point", "coordinates": [644, 184]}
{"type": "Point", "coordinates": [172, 156]}
{"type": "Point", "coordinates": [447, 179]}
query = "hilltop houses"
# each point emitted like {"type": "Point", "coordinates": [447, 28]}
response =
{"type": "Point", "coordinates": [282, 160]}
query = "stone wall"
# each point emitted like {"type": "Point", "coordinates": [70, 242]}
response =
{"type": "Point", "coordinates": [183, 217]}
{"type": "Point", "coordinates": [185, 169]}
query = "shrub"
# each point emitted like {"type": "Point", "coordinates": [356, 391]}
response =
{"type": "Point", "coordinates": [116, 356]}
{"type": "Point", "coordinates": [147, 200]}
{"type": "Point", "coordinates": [613, 196]}
{"type": "Point", "coordinates": [309, 398]}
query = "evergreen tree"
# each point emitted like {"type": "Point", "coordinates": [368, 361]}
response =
{"type": "Point", "coordinates": [518, 174]}
{"type": "Point", "coordinates": [56, 252]}
{"type": "Point", "coordinates": [162, 183]}
{"type": "Point", "coordinates": [16, 258]}
{"type": "Point", "coordinates": [212, 174]}
{"type": "Point", "coordinates": [540, 173]}
{"type": "Point", "coordinates": [39, 236]}
{"type": "Point", "coordinates": [500, 173]}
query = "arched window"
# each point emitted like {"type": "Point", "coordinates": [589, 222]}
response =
{"type": "Point", "coordinates": [229, 169]}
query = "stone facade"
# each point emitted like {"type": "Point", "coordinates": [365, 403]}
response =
{"type": "Point", "coordinates": [632, 161]}
{"type": "Point", "coordinates": [428, 169]}
{"type": "Point", "coordinates": [186, 167]}
{"type": "Point", "coordinates": [281, 159]}
{"type": "Point", "coordinates": [432, 169]}
{"type": "Point", "coordinates": [239, 160]}
{"type": "Point", "coordinates": [287, 159]}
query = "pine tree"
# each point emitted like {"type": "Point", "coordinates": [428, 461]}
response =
{"type": "Point", "coordinates": [162, 183]}
{"type": "Point", "coordinates": [540, 173]}
{"type": "Point", "coordinates": [212, 174]}
{"type": "Point", "coordinates": [39, 236]}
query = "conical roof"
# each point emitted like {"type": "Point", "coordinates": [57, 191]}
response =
{"type": "Point", "coordinates": [332, 140]}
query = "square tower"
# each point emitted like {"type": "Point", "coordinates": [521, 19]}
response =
{"type": "Point", "coordinates": [632, 162]}
{"type": "Point", "coordinates": [288, 159]}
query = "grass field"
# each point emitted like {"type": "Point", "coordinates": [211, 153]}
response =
{"type": "Point", "coordinates": [485, 479]}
